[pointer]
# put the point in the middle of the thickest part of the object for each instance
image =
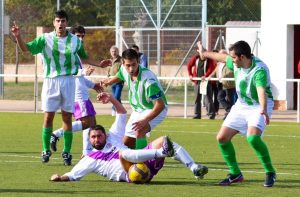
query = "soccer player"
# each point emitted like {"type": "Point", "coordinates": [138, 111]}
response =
{"type": "Point", "coordinates": [61, 51]}
{"type": "Point", "coordinates": [112, 159]}
{"type": "Point", "coordinates": [146, 97]}
{"type": "Point", "coordinates": [84, 112]}
{"type": "Point", "coordinates": [251, 112]}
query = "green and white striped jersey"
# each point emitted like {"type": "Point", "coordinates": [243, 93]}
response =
{"type": "Point", "coordinates": [246, 80]}
{"type": "Point", "coordinates": [144, 90]}
{"type": "Point", "coordinates": [60, 54]}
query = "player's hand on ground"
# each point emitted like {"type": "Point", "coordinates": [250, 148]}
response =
{"type": "Point", "coordinates": [55, 177]}
{"type": "Point", "coordinates": [15, 30]}
{"type": "Point", "coordinates": [105, 63]}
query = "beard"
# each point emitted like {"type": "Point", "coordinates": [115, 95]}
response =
{"type": "Point", "coordinates": [98, 146]}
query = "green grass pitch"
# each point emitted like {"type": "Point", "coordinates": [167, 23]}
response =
{"type": "Point", "coordinates": [23, 174]}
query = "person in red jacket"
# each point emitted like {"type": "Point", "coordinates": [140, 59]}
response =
{"type": "Point", "coordinates": [202, 68]}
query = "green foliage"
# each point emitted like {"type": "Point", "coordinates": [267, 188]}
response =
{"type": "Point", "coordinates": [23, 174]}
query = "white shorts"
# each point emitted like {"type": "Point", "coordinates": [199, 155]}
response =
{"type": "Point", "coordinates": [242, 116]}
{"type": "Point", "coordinates": [135, 116]}
{"type": "Point", "coordinates": [58, 92]}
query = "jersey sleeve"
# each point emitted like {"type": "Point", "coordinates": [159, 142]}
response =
{"type": "Point", "coordinates": [37, 45]}
{"type": "Point", "coordinates": [85, 166]}
{"type": "Point", "coordinates": [152, 90]}
{"type": "Point", "coordinates": [120, 74]}
{"type": "Point", "coordinates": [118, 127]}
{"type": "Point", "coordinates": [81, 52]}
{"type": "Point", "coordinates": [260, 78]}
{"type": "Point", "coordinates": [229, 63]}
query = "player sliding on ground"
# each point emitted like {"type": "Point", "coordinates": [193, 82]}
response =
{"type": "Point", "coordinates": [111, 158]}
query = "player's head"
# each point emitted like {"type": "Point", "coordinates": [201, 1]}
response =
{"type": "Point", "coordinates": [78, 30]}
{"type": "Point", "coordinates": [60, 22]}
{"type": "Point", "coordinates": [97, 137]}
{"type": "Point", "coordinates": [240, 52]}
{"type": "Point", "coordinates": [114, 51]}
{"type": "Point", "coordinates": [135, 47]}
{"type": "Point", "coordinates": [130, 60]}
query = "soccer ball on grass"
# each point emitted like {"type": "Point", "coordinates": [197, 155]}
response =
{"type": "Point", "coordinates": [139, 173]}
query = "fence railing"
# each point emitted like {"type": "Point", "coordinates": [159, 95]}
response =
{"type": "Point", "coordinates": [183, 80]}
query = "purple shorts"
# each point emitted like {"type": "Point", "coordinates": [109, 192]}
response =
{"type": "Point", "coordinates": [153, 164]}
{"type": "Point", "coordinates": [83, 109]}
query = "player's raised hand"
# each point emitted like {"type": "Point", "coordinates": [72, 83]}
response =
{"type": "Point", "coordinates": [105, 63]}
{"type": "Point", "coordinates": [15, 30]}
{"type": "Point", "coordinates": [104, 97]}
{"type": "Point", "coordinates": [89, 70]}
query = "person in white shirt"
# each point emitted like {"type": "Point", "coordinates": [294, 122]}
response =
{"type": "Point", "coordinates": [112, 159]}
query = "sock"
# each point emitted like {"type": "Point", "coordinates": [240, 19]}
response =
{"type": "Point", "coordinates": [58, 132]}
{"type": "Point", "coordinates": [86, 144]}
{"type": "Point", "coordinates": [46, 135]}
{"type": "Point", "coordinates": [140, 143]}
{"type": "Point", "coordinates": [228, 153]}
{"type": "Point", "coordinates": [183, 157]}
{"type": "Point", "coordinates": [261, 151]}
{"type": "Point", "coordinates": [139, 156]}
{"type": "Point", "coordinates": [76, 126]}
{"type": "Point", "coordinates": [68, 138]}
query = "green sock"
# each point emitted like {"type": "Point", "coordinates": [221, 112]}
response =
{"type": "Point", "coordinates": [228, 153]}
{"type": "Point", "coordinates": [140, 143]}
{"type": "Point", "coordinates": [261, 151]}
{"type": "Point", "coordinates": [68, 138]}
{"type": "Point", "coordinates": [46, 135]}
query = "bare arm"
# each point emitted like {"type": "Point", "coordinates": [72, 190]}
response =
{"type": "Point", "coordinates": [102, 64]}
{"type": "Point", "coordinates": [262, 98]}
{"type": "Point", "coordinates": [110, 81]}
{"type": "Point", "coordinates": [219, 57]}
{"type": "Point", "coordinates": [140, 125]}
{"type": "Point", "coordinates": [105, 97]}
{"type": "Point", "coordinates": [15, 30]}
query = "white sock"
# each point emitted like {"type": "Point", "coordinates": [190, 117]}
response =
{"type": "Point", "coordinates": [184, 157]}
{"type": "Point", "coordinates": [76, 126]}
{"type": "Point", "coordinates": [138, 156]}
{"type": "Point", "coordinates": [58, 132]}
{"type": "Point", "coordinates": [86, 144]}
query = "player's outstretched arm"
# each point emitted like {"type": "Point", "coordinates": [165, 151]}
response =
{"type": "Point", "coordinates": [16, 32]}
{"type": "Point", "coordinates": [105, 97]}
{"type": "Point", "coordinates": [211, 55]}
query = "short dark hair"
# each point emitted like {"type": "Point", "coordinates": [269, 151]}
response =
{"type": "Point", "coordinates": [130, 54]}
{"type": "Point", "coordinates": [98, 128]}
{"type": "Point", "coordinates": [61, 14]}
{"type": "Point", "coordinates": [241, 48]}
{"type": "Point", "coordinates": [135, 47]}
{"type": "Point", "coordinates": [77, 29]}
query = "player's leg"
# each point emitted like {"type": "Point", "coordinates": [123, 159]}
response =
{"type": "Point", "coordinates": [254, 138]}
{"type": "Point", "coordinates": [67, 88]}
{"type": "Point", "coordinates": [160, 148]}
{"type": "Point", "coordinates": [185, 158]}
{"type": "Point", "coordinates": [50, 104]}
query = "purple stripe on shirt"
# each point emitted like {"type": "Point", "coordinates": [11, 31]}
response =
{"type": "Point", "coordinates": [99, 155]}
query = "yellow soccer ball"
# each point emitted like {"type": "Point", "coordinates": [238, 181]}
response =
{"type": "Point", "coordinates": [139, 173]}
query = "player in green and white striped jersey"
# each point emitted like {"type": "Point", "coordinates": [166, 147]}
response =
{"type": "Point", "coordinates": [61, 52]}
{"type": "Point", "coordinates": [252, 111]}
{"type": "Point", "coordinates": [146, 97]}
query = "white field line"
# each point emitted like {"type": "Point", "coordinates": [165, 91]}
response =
{"type": "Point", "coordinates": [212, 133]}
{"type": "Point", "coordinates": [167, 165]}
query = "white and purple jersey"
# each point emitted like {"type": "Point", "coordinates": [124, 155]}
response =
{"type": "Point", "coordinates": [104, 162]}
{"type": "Point", "coordinates": [82, 86]}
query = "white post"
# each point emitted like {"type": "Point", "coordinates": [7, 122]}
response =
{"type": "Point", "coordinates": [185, 97]}
{"type": "Point", "coordinates": [204, 19]}
{"type": "Point", "coordinates": [158, 37]}
{"type": "Point", "coordinates": [117, 37]}
{"type": "Point", "coordinates": [58, 5]}
{"type": "Point", "coordinates": [298, 102]}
